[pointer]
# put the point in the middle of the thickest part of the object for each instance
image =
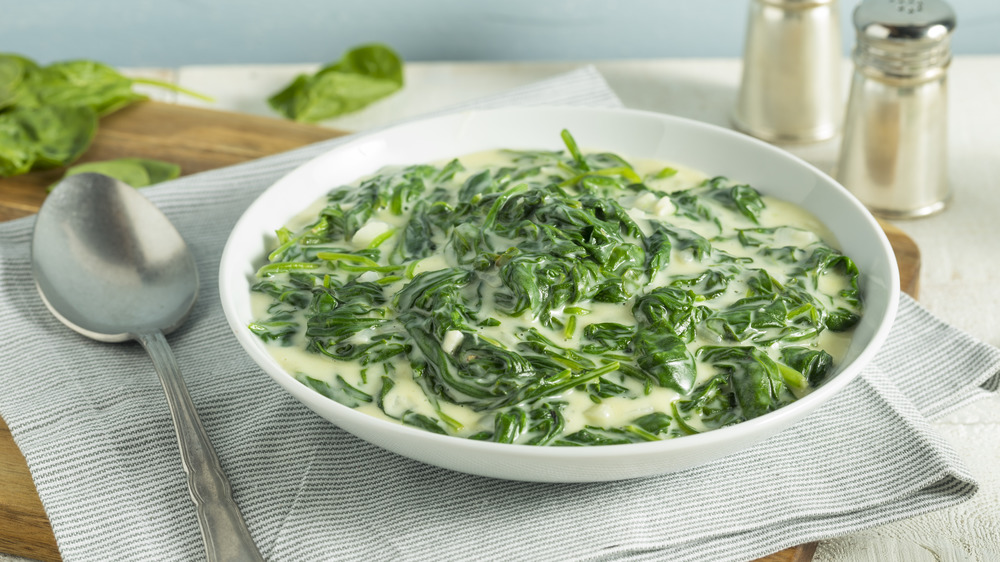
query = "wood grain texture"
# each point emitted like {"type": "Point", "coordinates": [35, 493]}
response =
{"type": "Point", "coordinates": [907, 258]}
{"type": "Point", "coordinates": [24, 528]}
{"type": "Point", "coordinates": [200, 140]}
{"type": "Point", "coordinates": [801, 553]}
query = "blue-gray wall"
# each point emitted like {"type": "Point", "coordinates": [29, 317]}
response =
{"type": "Point", "coordinates": [180, 32]}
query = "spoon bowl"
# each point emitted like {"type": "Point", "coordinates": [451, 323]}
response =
{"type": "Point", "coordinates": [111, 266]}
{"type": "Point", "coordinates": [132, 273]}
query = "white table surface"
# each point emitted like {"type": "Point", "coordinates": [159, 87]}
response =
{"type": "Point", "coordinates": [961, 260]}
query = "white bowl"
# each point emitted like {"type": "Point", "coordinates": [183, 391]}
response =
{"type": "Point", "coordinates": [632, 134]}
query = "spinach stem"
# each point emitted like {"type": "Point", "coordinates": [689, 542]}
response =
{"type": "Point", "coordinates": [337, 256]}
{"type": "Point", "coordinates": [174, 87]}
{"type": "Point", "coordinates": [282, 267]}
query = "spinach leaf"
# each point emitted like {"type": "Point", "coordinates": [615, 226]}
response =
{"type": "Point", "coordinates": [547, 422]}
{"type": "Point", "coordinates": [17, 150]}
{"type": "Point", "coordinates": [608, 336]}
{"type": "Point", "coordinates": [137, 172]}
{"type": "Point", "coordinates": [279, 327]}
{"type": "Point", "coordinates": [658, 248]}
{"type": "Point", "coordinates": [670, 309]}
{"type": "Point", "coordinates": [656, 423]}
{"type": "Point", "coordinates": [603, 388]}
{"type": "Point", "coordinates": [49, 114]}
{"type": "Point", "coordinates": [712, 402]}
{"type": "Point", "coordinates": [340, 390]}
{"type": "Point", "coordinates": [594, 435]}
{"type": "Point", "coordinates": [692, 202]}
{"type": "Point", "coordinates": [363, 75]}
{"type": "Point", "coordinates": [814, 364]}
{"type": "Point", "coordinates": [46, 137]}
{"type": "Point", "coordinates": [13, 70]}
{"type": "Point", "coordinates": [753, 377]}
{"type": "Point", "coordinates": [425, 423]}
{"type": "Point", "coordinates": [666, 359]}
{"type": "Point", "coordinates": [509, 425]}
{"type": "Point", "coordinates": [82, 83]}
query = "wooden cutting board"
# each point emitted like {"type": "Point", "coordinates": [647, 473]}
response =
{"type": "Point", "coordinates": [199, 140]}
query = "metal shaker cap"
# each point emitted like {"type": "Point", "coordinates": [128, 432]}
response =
{"type": "Point", "coordinates": [904, 37]}
{"type": "Point", "coordinates": [904, 20]}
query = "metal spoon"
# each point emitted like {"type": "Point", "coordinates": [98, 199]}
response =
{"type": "Point", "coordinates": [111, 266]}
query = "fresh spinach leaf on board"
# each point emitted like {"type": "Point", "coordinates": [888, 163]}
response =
{"type": "Point", "coordinates": [80, 83]}
{"type": "Point", "coordinates": [137, 172]}
{"type": "Point", "coordinates": [44, 137]}
{"type": "Point", "coordinates": [13, 70]}
{"type": "Point", "coordinates": [363, 75]}
{"type": "Point", "coordinates": [49, 114]}
{"type": "Point", "coordinates": [557, 299]}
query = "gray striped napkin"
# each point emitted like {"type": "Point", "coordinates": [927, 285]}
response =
{"type": "Point", "coordinates": [93, 424]}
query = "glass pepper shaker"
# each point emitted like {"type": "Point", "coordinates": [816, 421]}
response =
{"type": "Point", "coordinates": [894, 151]}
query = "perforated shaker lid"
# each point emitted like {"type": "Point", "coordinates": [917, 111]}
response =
{"type": "Point", "coordinates": [916, 21]}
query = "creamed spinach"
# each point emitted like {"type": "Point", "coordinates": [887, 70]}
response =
{"type": "Point", "coordinates": [557, 298]}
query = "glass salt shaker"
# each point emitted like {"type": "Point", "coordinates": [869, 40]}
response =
{"type": "Point", "coordinates": [894, 151]}
{"type": "Point", "coordinates": [790, 88]}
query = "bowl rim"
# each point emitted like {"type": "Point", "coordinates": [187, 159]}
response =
{"type": "Point", "coordinates": [748, 429]}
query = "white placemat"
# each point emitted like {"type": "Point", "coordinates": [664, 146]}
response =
{"type": "Point", "coordinates": [92, 422]}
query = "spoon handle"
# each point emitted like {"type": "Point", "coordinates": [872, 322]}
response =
{"type": "Point", "coordinates": [222, 527]}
